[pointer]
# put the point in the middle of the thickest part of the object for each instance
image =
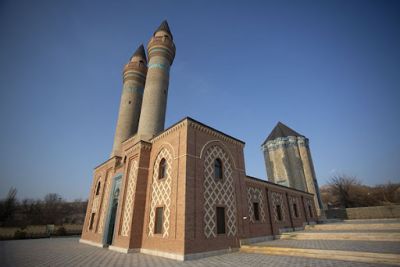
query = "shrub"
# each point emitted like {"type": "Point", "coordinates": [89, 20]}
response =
{"type": "Point", "coordinates": [61, 231]}
{"type": "Point", "coordinates": [20, 234]}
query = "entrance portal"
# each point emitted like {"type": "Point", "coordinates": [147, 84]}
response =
{"type": "Point", "coordinates": [112, 211]}
{"type": "Point", "coordinates": [112, 222]}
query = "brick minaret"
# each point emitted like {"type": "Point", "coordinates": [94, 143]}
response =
{"type": "Point", "coordinates": [134, 78]}
{"type": "Point", "coordinates": [161, 52]}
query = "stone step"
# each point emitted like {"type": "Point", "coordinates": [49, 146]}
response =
{"type": "Point", "coordinates": [345, 245]}
{"type": "Point", "coordinates": [353, 231]}
{"type": "Point", "coordinates": [355, 256]}
{"type": "Point", "coordinates": [370, 236]}
{"type": "Point", "coordinates": [363, 221]}
{"type": "Point", "coordinates": [345, 226]}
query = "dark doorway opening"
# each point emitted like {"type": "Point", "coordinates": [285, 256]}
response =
{"type": "Point", "coordinates": [113, 215]}
{"type": "Point", "coordinates": [112, 223]}
{"type": "Point", "coordinates": [220, 220]}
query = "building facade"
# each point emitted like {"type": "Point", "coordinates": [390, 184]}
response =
{"type": "Point", "coordinates": [180, 192]}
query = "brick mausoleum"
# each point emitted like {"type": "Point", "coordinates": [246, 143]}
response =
{"type": "Point", "coordinates": [183, 192]}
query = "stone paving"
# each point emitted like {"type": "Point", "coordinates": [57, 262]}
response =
{"type": "Point", "coordinates": [345, 245]}
{"type": "Point", "coordinates": [369, 221]}
{"type": "Point", "coordinates": [68, 252]}
{"type": "Point", "coordinates": [353, 231]}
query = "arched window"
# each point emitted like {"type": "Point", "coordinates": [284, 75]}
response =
{"type": "Point", "coordinates": [296, 212]}
{"type": "Point", "coordinates": [278, 212]}
{"type": "Point", "coordinates": [98, 188]}
{"type": "Point", "coordinates": [256, 209]}
{"type": "Point", "coordinates": [162, 169]}
{"type": "Point", "coordinates": [218, 169]}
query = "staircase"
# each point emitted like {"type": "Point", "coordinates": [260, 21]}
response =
{"type": "Point", "coordinates": [367, 241]}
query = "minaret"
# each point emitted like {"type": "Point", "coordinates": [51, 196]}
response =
{"type": "Point", "coordinates": [161, 52]}
{"type": "Point", "coordinates": [134, 78]}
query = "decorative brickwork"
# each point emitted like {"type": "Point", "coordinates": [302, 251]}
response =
{"type": "Point", "coordinates": [278, 199]}
{"type": "Point", "coordinates": [95, 204]}
{"type": "Point", "coordinates": [216, 134]}
{"type": "Point", "coordinates": [285, 142]}
{"type": "Point", "coordinates": [309, 203]}
{"type": "Point", "coordinates": [179, 185]}
{"type": "Point", "coordinates": [292, 201]}
{"type": "Point", "coordinates": [104, 205]}
{"type": "Point", "coordinates": [218, 192]}
{"type": "Point", "coordinates": [161, 192]}
{"type": "Point", "coordinates": [130, 197]}
{"type": "Point", "coordinates": [255, 195]}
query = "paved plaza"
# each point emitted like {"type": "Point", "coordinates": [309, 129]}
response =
{"type": "Point", "coordinates": [69, 252]}
{"type": "Point", "coordinates": [346, 245]}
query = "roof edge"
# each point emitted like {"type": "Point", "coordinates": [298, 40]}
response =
{"type": "Point", "coordinates": [281, 186]}
{"type": "Point", "coordinates": [200, 123]}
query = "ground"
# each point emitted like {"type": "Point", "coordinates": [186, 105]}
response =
{"type": "Point", "coordinates": [69, 252]}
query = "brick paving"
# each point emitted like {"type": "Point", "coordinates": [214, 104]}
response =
{"type": "Point", "coordinates": [68, 252]}
{"type": "Point", "coordinates": [346, 245]}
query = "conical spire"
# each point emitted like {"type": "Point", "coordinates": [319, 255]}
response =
{"type": "Point", "coordinates": [281, 130]}
{"type": "Point", "coordinates": [139, 53]}
{"type": "Point", "coordinates": [164, 27]}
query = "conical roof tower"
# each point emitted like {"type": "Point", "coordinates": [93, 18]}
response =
{"type": "Point", "coordinates": [161, 53]}
{"type": "Point", "coordinates": [134, 78]}
{"type": "Point", "coordinates": [165, 28]}
{"type": "Point", "coordinates": [281, 130]}
{"type": "Point", "coordinates": [139, 53]}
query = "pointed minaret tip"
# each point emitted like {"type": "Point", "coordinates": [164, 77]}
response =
{"type": "Point", "coordinates": [164, 27]}
{"type": "Point", "coordinates": [139, 53]}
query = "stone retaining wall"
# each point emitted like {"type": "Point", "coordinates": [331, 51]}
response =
{"type": "Point", "coordinates": [378, 212]}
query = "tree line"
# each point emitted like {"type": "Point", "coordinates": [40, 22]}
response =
{"type": "Point", "coordinates": [52, 209]}
{"type": "Point", "coordinates": [344, 191]}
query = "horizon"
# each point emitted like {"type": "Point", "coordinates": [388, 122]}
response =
{"type": "Point", "coordinates": [329, 71]}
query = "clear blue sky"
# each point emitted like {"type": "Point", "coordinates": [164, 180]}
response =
{"type": "Point", "coordinates": [328, 69]}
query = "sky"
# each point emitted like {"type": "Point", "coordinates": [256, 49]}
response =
{"type": "Point", "coordinates": [328, 69]}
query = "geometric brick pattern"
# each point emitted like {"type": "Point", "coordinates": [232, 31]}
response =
{"type": "Point", "coordinates": [104, 204]}
{"type": "Point", "coordinates": [294, 200]}
{"type": "Point", "coordinates": [217, 192]}
{"type": "Point", "coordinates": [255, 195]}
{"type": "Point", "coordinates": [277, 199]}
{"type": "Point", "coordinates": [308, 204]}
{"type": "Point", "coordinates": [130, 197]}
{"type": "Point", "coordinates": [95, 204]}
{"type": "Point", "coordinates": [161, 192]}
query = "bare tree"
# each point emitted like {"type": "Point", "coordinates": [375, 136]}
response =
{"type": "Point", "coordinates": [345, 190]}
{"type": "Point", "coordinates": [53, 209]}
{"type": "Point", "coordinates": [8, 207]}
{"type": "Point", "coordinates": [387, 194]}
